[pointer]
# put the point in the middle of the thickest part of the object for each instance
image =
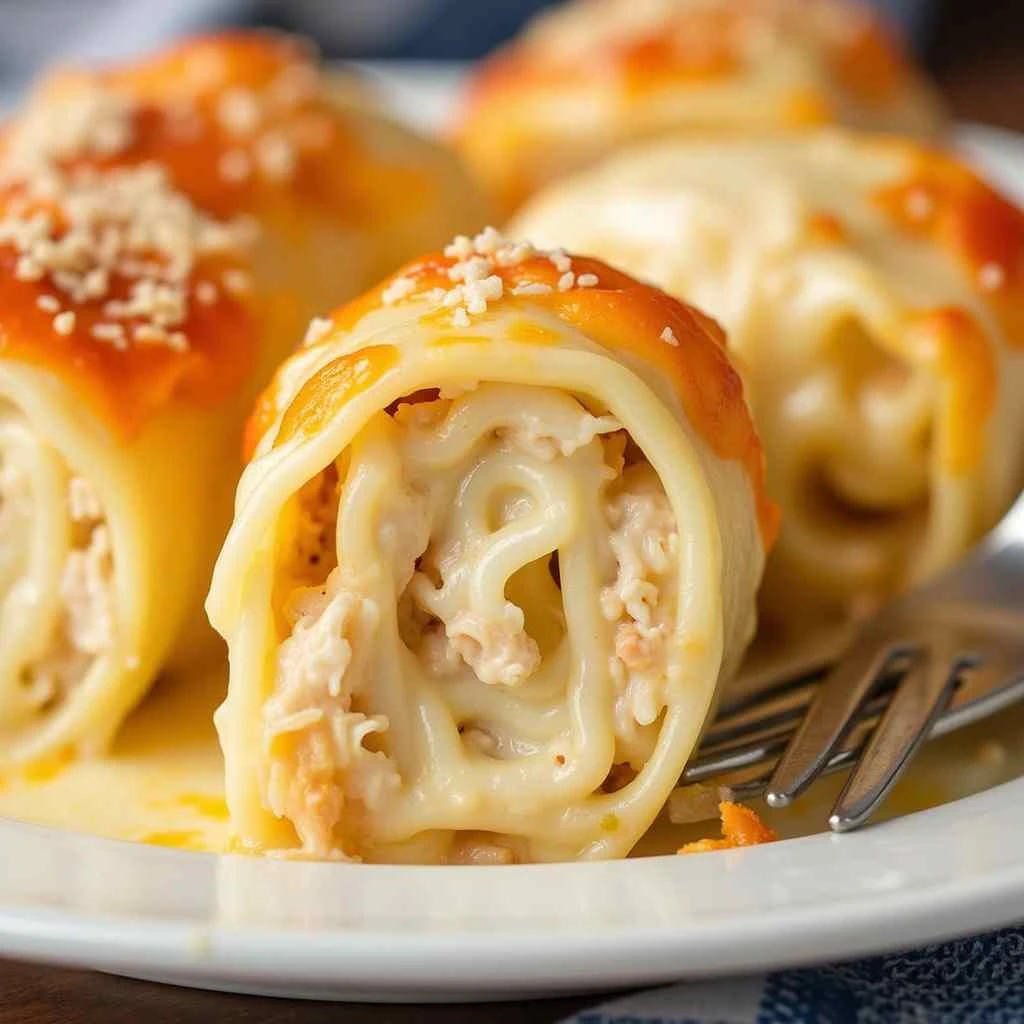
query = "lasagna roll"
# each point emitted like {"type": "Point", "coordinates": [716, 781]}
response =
{"type": "Point", "coordinates": [496, 549]}
{"type": "Point", "coordinates": [165, 230]}
{"type": "Point", "coordinates": [873, 291]}
{"type": "Point", "coordinates": [595, 74]}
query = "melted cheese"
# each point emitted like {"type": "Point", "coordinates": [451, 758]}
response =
{"type": "Point", "coordinates": [541, 564]}
{"type": "Point", "coordinates": [147, 288]}
{"type": "Point", "coordinates": [882, 368]}
{"type": "Point", "coordinates": [162, 782]}
{"type": "Point", "coordinates": [595, 75]}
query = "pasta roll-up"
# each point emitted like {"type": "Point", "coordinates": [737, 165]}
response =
{"type": "Point", "coordinates": [594, 75]}
{"type": "Point", "coordinates": [874, 295]}
{"type": "Point", "coordinates": [165, 231]}
{"type": "Point", "coordinates": [496, 549]}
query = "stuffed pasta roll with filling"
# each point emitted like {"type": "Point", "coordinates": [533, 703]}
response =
{"type": "Point", "coordinates": [873, 291]}
{"type": "Point", "coordinates": [164, 234]}
{"type": "Point", "coordinates": [592, 76]}
{"type": "Point", "coordinates": [497, 547]}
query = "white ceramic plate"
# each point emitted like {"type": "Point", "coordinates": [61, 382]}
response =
{"type": "Point", "coordinates": [437, 933]}
{"type": "Point", "coordinates": [400, 933]}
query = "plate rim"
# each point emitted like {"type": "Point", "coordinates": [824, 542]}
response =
{"type": "Point", "coordinates": [386, 963]}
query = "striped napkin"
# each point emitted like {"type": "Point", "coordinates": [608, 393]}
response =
{"type": "Point", "coordinates": [978, 980]}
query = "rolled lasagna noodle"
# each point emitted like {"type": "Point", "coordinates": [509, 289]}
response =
{"type": "Point", "coordinates": [165, 231]}
{"type": "Point", "coordinates": [496, 549]}
{"type": "Point", "coordinates": [595, 74]}
{"type": "Point", "coordinates": [873, 292]}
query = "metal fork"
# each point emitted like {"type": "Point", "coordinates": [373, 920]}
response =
{"type": "Point", "coordinates": [944, 655]}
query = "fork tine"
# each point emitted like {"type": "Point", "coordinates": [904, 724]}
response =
{"type": "Point", "coordinates": [921, 697]}
{"type": "Point", "coordinates": [830, 716]}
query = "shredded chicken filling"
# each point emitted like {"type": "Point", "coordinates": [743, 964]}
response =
{"type": "Point", "coordinates": [319, 765]}
{"type": "Point", "coordinates": [457, 498]}
{"type": "Point", "coordinates": [645, 542]}
{"type": "Point", "coordinates": [84, 614]}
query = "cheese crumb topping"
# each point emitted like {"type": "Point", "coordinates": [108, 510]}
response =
{"type": "Point", "coordinates": [96, 231]}
{"type": "Point", "coordinates": [269, 127]}
{"type": "Point", "coordinates": [991, 277]}
{"type": "Point", "coordinates": [919, 204]}
{"type": "Point", "coordinates": [397, 290]}
{"type": "Point", "coordinates": [669, 337]}
{"type": "Point", "coordinates": [64, 323]}
{"type": "Point", "coordinates": [236, 281]}
{"type": "Point", "coordinates": [475, 281]}
{"type": "Point", "coordinates": [87, 121]}
{"type": "Point", "coordinates": [532, 288]}
{"type": "Point", "coordinates": [318, 327]}
{"type": "Point", "coordinates": [88, 229]}
{"type": "Point", "coordinates": [238, 112]}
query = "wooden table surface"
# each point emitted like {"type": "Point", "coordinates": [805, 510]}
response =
{"type": "Point", "coordinates": [979, 61]}
{"type": "Point", "coordinates": [30, 994]}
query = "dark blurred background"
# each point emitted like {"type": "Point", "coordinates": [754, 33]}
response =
{"type": "Point", "coordinates": [974, 47]}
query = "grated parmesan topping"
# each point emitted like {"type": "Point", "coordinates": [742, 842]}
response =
{"type": "Point", "coordinates": [276, 156]}
{"type": "Point", "coordinates": [475, 281]}
{"type": "Point", "coordinates": [239, 112]}
{"type": "Point", "coordinates": [236, 281]}
{"type": "Point", "coordinates": [919, 204]}
{"type": "Point", "coordinates": [269, 128]}
{"type": "Point", "coordinates": [126, 236]}
{"type": "Point", "coordinates": [86, 121]}
{"type": "Point", "coordinates": [83, 227]}
{"type": "Point", "coordinates": [64, 323]}
{"type": "Point", "coordinates": [532, 288]}
{"type": "Point", "coordinates": [399, 289]}
{"type": "Point", "coordinates": [991, 277]}
{"type": "Point", "coordinates": [318, 327]}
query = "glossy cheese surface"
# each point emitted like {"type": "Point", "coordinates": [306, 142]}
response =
{"type": "Point", "coordinates": [137, 203]}
{"type": "Point", "coordinates": [871, 290]}
{"type": "Point", "coordinates": [595, 75]}
{"type": "Point", "coordinates": [621, 313]}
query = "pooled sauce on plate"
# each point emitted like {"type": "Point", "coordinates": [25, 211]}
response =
{"type": "Point", "coordinates": [162, 780]}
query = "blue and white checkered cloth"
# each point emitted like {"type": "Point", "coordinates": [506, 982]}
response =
{"type": "Point", "coordinates": [971, 981]}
